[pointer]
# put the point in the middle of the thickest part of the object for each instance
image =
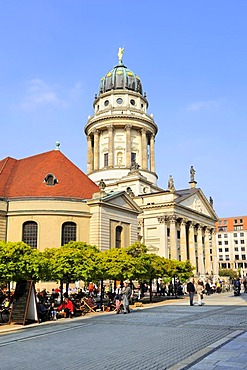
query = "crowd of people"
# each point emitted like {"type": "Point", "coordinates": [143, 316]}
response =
{"type": "Point", "coordinates": [118, 297]}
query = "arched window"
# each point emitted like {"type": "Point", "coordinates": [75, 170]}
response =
{"type": "Point", "coordinates": [30, 233]}
{"type": "Point", "coordinates": [118, 236]}
{"type": "Point", "coordinates": [68, 232]}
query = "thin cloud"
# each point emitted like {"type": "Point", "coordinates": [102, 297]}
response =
{"type": "Point", "coordinates": [201, 105]}
{"type": "Point", "coordinates": [39, 95]}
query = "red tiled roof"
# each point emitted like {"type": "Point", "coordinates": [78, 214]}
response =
{"type": "Point", "coordinates": [25, 177]}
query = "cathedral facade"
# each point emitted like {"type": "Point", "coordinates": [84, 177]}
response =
{"type": "Point", "coordinates": [46, 201]}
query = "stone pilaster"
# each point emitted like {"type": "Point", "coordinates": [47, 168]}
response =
{"type": "Point", "coordinates": [183, 246]}
{"type": "Point", "coordinates": [192, 248]}
{"type": "Point", "coordinates": [110, 145]}
{"type": "Point", "coordinates": [128, 145]}
{"type": "Point", "coordinates": [152, 155]}
{"type": "Point", "coordinates": [144, 150]}
{"type": "Point", "coordinates": [173, 238]}
{"type": "Point", "coordinates": [96, 149]}
{"type": "Point", "coordinates": [163, 236]}
{"type": "Point", "coordinates": [89, 154]}
{"type": "Point", "coordinates": [208, 263]}
{"type": "Point", "coordinates": [201, 268]}
{"type": "Point", "coordinates": [214, 254]}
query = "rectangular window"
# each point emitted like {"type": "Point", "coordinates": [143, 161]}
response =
{"type": "Point", "coordinates": [220, 243]}
{"type": "Point", "coordinates": [106, 160]}
{"type": "Point", "coordinates": [220, 250]}
{"type": "Point", "coordinates": [235, 235]}
{"type": "Point", "coordinates": [241, 241]}
{"type": "Point", "coordinates": [239, 227]}
{"type": "Point", "coordinates": [225, 222]}
{"type": "Point", "coordinates": [219, 236]}
{"type": "Point", "coordinates": [227, 258]}
{"type": "Point", "coordinates": [235, 221]}
{"type": "Point", "coordinates": [241, 220]}
{"type": "Point", "coordinates": [235, 241]}
{"type": "Point", "coordinates": [236, 249]}
{"type": "Point", "coordinates": [236, 257]}
{"type": "Point", "coordinates": [178, 234]}
{"type": "Point", "coordinates": [133, 157]}
{"type": "Point", "coordinates": [242, 249]}
{"type": "Point", "coordinates": [220, 258]}
{"type": "Point", "coordinates": [241, 235]}
{"type": "Point", "coordinates": [226, 242]}
{"type": "Point", "coordinates": [226, 249]}
{"type": "Point", "coordinates": [225, 235]}
{"type": "Point", "coordinates": [244, 257]}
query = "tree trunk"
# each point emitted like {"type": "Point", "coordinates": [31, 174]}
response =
{"type": "Point", "coordinates": [150, 291]}
{"type": "Point", "coordinates": [61, 291]}
{"type": "Point", "coordinates": [101, 292]}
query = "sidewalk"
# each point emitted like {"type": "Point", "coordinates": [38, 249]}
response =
{"type": "Point", "coordinates": [227, 353]}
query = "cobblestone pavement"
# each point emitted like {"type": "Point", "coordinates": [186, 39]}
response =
{"type": "Point", "coordinates": [166, 336]}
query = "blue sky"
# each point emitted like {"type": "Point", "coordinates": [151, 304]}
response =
{"type": "Point", "coordinates": [190, 55]}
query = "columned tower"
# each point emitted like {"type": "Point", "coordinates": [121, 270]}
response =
{"type": "Point", "coordinates": [121, 135]}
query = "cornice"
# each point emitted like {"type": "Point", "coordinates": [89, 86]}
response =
{"type": "Point", "coordinates": [94, 120]}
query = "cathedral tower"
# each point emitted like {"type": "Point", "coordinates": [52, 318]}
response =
{"type": "Point", "coordinates": [121, 134]}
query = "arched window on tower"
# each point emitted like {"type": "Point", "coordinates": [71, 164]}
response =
{"type": "Point", "coordinates": [30, 233]}
{"type": "Point", "coordinates": [68, 232]}
{"type": "Point", "coordinates": [119, 230]}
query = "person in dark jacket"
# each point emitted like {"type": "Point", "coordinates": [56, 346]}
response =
{"type": "Point", "coordinates": [126, 292]}
{"type": "Point", "coordinates": [191, 290]}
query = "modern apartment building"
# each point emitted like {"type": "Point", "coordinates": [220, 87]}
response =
{"type": "Point", "coordinates": [231, 241]}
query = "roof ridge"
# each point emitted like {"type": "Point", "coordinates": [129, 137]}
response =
{"type": "Point", "coordinates": [5, 164]}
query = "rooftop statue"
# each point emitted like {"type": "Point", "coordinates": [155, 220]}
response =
{"type": "Point", "coordinates": [192, 174]}
{"type": "Point", "coordinates": [171, 183]}
{"type": "Point", "coordinates": [120, 54]}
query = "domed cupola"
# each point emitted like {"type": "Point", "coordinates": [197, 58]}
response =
{"type": "Point", "coordinates": [120, 77]}
{"type": "Point", "coordinates": [121, 133]}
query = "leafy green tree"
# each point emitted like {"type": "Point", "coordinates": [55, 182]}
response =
{"type": "Point", "coordinates": [183, 270]}
{"type": "Point", "coordinates": [71, 262]}
{"type": "Point", "coordinates": [229, 272]}
{"type": "Point", "coordinates": [18, 261]}
{"type": "Point", "coordinates": [117, 264]}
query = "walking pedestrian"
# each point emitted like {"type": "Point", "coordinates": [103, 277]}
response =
{"type": "Point", "coordinates": [199, 291]}
{"type": "Point", "coordinates": [118, 298]}
{"type": "Point", "coordinates": [191, 290]}
{"type": "Point", "coordinates": [126, 291]}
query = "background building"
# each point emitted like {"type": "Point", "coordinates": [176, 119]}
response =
{"type": "Point", "coordinates": [231, 238]}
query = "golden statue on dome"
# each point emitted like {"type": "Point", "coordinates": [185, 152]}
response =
{"type": "Point", "coordinates": [120, 55]}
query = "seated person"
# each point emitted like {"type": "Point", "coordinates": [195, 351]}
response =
{"type": "Point", "coordinates": [67, 307]}
{"type": "Point", "coordinates": [42, 311]}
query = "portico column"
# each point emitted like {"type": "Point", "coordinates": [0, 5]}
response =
{"type": "Point", "coordinates": [110, 146]}
{"type": "Point", "coordinates": [214, 254]}
{"type": "Point", "coordinates": [128, 145]}
{"type": "Point", "coordinates": [173, 238]}
{"type": "Point", "coordinates": [192, 249]}
{"type": "Point", "coordinates": [152, 156]}
{"type": "Point", "coordinates": [183, 247]}
{"type": "Point", "coordinates": [208, 263]}
{"type": "Point", "coordinates": [96, 149]}
{"type": "Point", "coordinates": [201, 269]}
{"type": "Point", "coordinates": [144, 149]}
{"type": "Point", "coordinates": [89, 154]}
{"type": "Point", "coordinates": [163, 248]}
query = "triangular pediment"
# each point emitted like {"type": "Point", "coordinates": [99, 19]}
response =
{"type": "Point", "coordinates": [195, 200]}
{"type": "Point", "coordinates": [122, 201]}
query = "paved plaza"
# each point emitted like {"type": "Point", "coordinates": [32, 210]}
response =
{"type": "Point", "coordinates": [169, 335]}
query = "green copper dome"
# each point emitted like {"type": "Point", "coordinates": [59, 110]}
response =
{"type": "Point", "coordinates": [120, 77]}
